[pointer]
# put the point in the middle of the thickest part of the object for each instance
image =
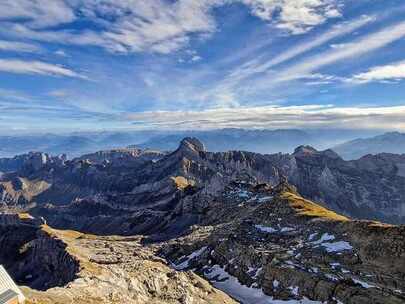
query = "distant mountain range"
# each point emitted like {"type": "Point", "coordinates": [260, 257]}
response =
{"type": "Point", "coordinates": [264, 141]}
{"type": "Point", "coordinates": [349, 144]}
{"type": "Point", "coordinates": [393, 142]}
{"type": "Point", "coordinates": [74, 144]}
{"type": "Point", "coordinates": [260, 141]}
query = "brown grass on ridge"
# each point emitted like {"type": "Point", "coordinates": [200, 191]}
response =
{"type": "Point", "coordinates": [307, 208]}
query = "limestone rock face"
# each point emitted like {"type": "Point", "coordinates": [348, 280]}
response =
{"type": "Point", "coordinates": [302, 150]}
{"type": "Point", "coordinates": [368, 188]}
{"type": "Point", "coordinates": [32, 255]}
{"type": "Point", "coordinates": [193, 144]}
{"type": "Point", "coordinates": [122, 157]}
{"type": "Point", "coordinates": [32, 161]}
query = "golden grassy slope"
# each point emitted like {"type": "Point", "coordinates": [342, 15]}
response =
{"type": "Point", "coordinates": [305, 207]}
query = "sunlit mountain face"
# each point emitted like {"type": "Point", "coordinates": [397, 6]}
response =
{"type": "Point", "coordinates": [88, 65]}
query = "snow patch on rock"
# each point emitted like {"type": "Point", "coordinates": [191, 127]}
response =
{"type": "Point", "coordinates": [337, 246]}
{"type": "Point", "coordinates": [363, 284]}
{"type": "Point", "coordinates": [230, 285]}
{"type": "Point", "coordinates": [265, 229]}
{"type": "Point", "coordinates": [187, 259]}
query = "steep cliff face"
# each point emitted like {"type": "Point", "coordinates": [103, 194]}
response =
{"type": "Point", "coordinates": [134, 181]}
{"type": "Point", "coordinates": [33, 256]}
{"type": "Point", "coordinates": [32, 161]}
{"type": "Point", "coordinates": [371, 187]}
{"type": "Point", "coordinates": [122, 157]}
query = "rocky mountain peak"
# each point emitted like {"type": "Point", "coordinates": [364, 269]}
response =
{"type": "Point", "coordinates": [331, 154]}
{"type": "Point", "coordinates": [305, 150]}
{"type": "Point", "coordinates": [192, 143]}
{"type": "Point", "coordinates": [285, 186]}
{"type": "Point", "coordinates": [312, 153]}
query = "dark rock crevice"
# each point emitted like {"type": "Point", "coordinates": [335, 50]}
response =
{"type": "Point", "coordinates": [34, 258]}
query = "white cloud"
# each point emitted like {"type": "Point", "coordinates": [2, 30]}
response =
{"type": "Point", "coordinates": [159, 26]}
{"type": "Point", "coordinates": [308, 116]}
{"type": "Point", "coordinates": [320, 79]}
{"type": "Point", "coordinates": [61, 53]}
{"type": "Point", "coordinates": [295, 16]}
{"type": "Point", "coordinates": [196, 58]}
{"type": "Point", "coordinates": [59, 93]}
{"type": "Point", "coordinates": [36, 67]}
{"type": "Point", "coordinates": [6, 94]}
{"type": "Point", "coordinates": [390, 72]}
{"type": "Point", "coordinates": [339, 45]}
{"type": "Point", "coordinates": [127, 26]}
{"type": "Point", "coordinates": [36, 13]}
{"type": "Point", "coordinates": [18, 46]}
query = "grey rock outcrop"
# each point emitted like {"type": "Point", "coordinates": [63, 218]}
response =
{"type": "Point", "coordinates": [284, 247]}
{"type": "Point", "coordinates": [70, 267]}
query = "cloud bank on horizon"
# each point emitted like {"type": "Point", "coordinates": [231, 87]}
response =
{"type": "Point", "coordinates": [192, 64]}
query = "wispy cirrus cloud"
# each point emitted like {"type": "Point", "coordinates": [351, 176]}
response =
{"type": "Point", "coordinates": [14, 95]}
{"type": "Point", "coordinates": [36, 68]}
{"type": "Point", "coordinates": [261, 65]}
{"type": "Point", "coordinates": [255, 76]}
{"type": "Point", "coordinates": [16, 46]}
{"type": "Point", "coordinates": [261, 76]}
{"type": "Point", "coordinates": [362, 45]}
{"type": "Point", "coordinates": [37, 13]}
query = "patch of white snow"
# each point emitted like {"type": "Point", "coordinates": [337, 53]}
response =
{"type": "Point", "coordinates": [265, 229]}
{"type": "Point", "coordinates": [244, 294]}
{"type": "Point", "coordinates": [188, 258]}
{"type": "Point", "coordinates": [337, 246]}
{"type": "Point", "coordinates": [363, 284]}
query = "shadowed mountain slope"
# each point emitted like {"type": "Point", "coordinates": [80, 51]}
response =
{"type": "Point", "coordinates": [393, 142]}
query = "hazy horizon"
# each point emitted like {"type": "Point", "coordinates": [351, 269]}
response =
{"type": "Point", "coordinates": [264, 141]}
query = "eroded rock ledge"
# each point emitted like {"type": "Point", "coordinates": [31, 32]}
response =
{"type": "Point", "coordinates": [72, 267]}
{"type": "Point", "coordinates": [33, 255]}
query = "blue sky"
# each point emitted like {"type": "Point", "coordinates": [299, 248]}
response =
{"type": "Point", "coordinates": [188, 64]}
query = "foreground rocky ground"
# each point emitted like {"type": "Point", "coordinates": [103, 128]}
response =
{"type": "Point", "coordinates": [73, 267]}
{"type": "Point", "coordinates": [256, 243]}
